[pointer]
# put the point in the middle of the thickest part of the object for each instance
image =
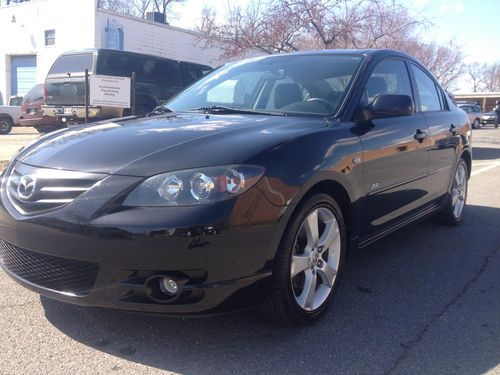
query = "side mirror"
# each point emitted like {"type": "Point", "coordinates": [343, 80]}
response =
{"type": "Point", "coordinates": [386, 105]}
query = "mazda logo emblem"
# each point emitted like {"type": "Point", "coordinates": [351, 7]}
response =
{"type": "Point", "coordinates": [26, 187]}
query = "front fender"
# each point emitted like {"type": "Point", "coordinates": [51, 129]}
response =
{"type": "Point", "coordinates": [329, 154]}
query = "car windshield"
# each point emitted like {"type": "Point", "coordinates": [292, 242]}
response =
{"type": "Point", "coordinates": [291, 84]}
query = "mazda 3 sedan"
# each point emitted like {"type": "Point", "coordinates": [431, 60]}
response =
{"type": "Point", "coordinates": [246, 189]}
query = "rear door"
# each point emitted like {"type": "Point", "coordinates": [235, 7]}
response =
{"type": "Point", "coordinates": [394, 161]}
{"type": "Point", "coordinates": [443, 131]}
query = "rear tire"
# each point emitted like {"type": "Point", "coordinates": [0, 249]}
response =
{"type": "Point", "coordinates": [308, 264]}
{"type": "Point", "coordinates": [453, 211]}
{"type": "Point", "coordinates": [5, 125]}
{"type": "Point", "coordinates": [475, 124]}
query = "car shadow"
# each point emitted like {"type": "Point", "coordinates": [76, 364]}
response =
{"type": "Point", "coordinates": [485, 153]}
{"type": "Point", "coordinates": [393, 293]}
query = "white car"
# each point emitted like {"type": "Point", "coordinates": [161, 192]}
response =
{"type": "Point", "coordinates": [10, 114]}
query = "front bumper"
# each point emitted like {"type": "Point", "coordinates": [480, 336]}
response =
{"type": "Point", "coordinates": [222, 254]}
{"type": "Point", "coordinates": [38, 121]}
{"type": "Point", "coordinates": [71, 113]}
{"type": "Point", "coordinates": [488, 120]}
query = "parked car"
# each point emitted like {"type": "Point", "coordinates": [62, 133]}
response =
{"type": "Point", "coordinates": [157, 79]}
{"type": "Point", "coordinates": [488, 118]}
{"type": "Point", "coordinates": [32, 113]}
{"type": "Point", "coordinates": [9, 115]}
{"type": "Point", "coordinates": [474, 112]}
{"type": "Point", "coordinates": [247, 190]}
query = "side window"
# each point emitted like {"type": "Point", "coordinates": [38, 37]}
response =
{"type": "Point", "coordinates": [167, 72]}
{"type": "Point", "coordinates": [389, 77]}
{"type": "Point", "coordinates": [427, 91]}
{"type": "Point", "coordinates": [35, 94]}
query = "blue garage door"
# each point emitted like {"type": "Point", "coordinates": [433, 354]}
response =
{"type": "Point", "coordinates": [23, 74]}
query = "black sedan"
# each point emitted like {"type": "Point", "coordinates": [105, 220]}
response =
{"type": "Point", "coordinates": [246, 189]}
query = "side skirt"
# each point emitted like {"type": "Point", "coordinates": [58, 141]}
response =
{"type": "Point", "coordinates": [425, 212]}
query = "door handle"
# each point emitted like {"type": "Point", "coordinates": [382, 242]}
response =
{"type": "Point", "coordinates": [453, 129]}
{"type": "Point", "coordinates": [420, 135]}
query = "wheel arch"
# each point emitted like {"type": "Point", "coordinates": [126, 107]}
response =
{"type": "Point", "coordinates": [8, 117]}
{"type": "Point", "coordinates": [338, 192]}
{"type": "Point", "coordinates": [329, 186]}
{"type": "Point", "coordinates": [466, 155]}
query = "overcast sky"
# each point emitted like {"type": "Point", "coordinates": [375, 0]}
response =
{"type": "Point", "coordinates": [472, 23]}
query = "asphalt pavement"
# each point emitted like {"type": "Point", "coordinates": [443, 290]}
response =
{"type": "Point", "coordinates": [425, 300]}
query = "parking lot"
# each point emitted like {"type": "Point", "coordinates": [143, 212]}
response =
{"type": "Point", "coordinates": [425, 300]}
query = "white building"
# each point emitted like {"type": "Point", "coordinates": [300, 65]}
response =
{"type": "Point", "coordinates": [33, 34]}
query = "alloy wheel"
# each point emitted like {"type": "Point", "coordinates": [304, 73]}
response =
{"type": "Point", "coordinates": [315, 259]}
{"type": "Point", "coordinates": [459, 191]}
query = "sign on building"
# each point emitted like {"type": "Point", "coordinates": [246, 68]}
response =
{"type": "Point", "coordinates": [109, 91]}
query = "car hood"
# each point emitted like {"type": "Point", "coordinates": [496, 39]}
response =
{"type": "Point", "coordinates": [143, 147]}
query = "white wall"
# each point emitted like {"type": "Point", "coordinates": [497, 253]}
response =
{"type": "Point", "coordinates": [78, 25]}
{"type": "Point", "coordinates": [73, 21]}
{"type": "Point", "coordinates": [157, 39]}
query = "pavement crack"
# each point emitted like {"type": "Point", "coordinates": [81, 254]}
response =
{"type": "Point", "coordinates": [408, 345]}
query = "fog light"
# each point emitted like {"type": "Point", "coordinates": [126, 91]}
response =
{"type": "Point", "coordinates": [169, 286]}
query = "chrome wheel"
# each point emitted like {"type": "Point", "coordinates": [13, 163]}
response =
{"type": "Point", "coordinates": [459, 191]}
{"type": "Point", "coordinates": [315, 259]}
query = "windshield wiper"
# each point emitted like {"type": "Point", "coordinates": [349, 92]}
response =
{"type": "Point", "coordinates": [159, 111]}
{"type": "Point", "coordinates": [216, 109]}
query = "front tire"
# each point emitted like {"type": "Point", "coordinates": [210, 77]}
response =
{"type": "Point", "coordinates": [453, 211]}
{"type": "Point", "coordinates": [308, 264]}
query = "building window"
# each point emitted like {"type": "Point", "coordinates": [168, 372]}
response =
{"type": "Point", "coordinates": [50, 37]}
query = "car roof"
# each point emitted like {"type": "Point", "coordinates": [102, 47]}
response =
{"type": "Point", "coordinates": [98, 50]}
{"type": "Point", "coordinates": [366, 52]}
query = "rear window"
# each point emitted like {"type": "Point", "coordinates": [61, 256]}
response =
{"type": "Point", "coordinates": [35, 94]}
{"type": "Point", "coordinates": [73, 64]}
{"type": "Point", "coordinates": [15, 101]}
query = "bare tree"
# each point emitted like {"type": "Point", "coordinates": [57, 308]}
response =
{"type": "Point", "coordinates": [141, 7]}
{"type": "Point", "coordinates": [444, 61]}
{"type": "Point", "coordinates": [137, 8]}
{"type": "Point", "coordinates": [162, 5]}
{"type": "Point", "coordinates": [491, 77]}
{"type": "Point", "coordinates": [118, 6]}
{"type": "Point", "coordinates": [273, 26]}
{"type": "Point", "coordinates": [267, 28]}
{"type": "Point", "coordinates": [476, 75]}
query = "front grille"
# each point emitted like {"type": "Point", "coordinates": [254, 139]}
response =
{"type": "Point", "coordinates": [60, 274]}
{"type": "Point", "coordinates": [33, 190]}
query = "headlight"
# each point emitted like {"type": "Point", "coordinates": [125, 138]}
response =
{"type": "Point", "coordinates": [194, 186]}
